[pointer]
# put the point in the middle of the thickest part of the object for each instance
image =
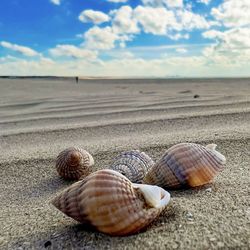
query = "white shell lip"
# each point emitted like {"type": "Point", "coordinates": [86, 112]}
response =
{"type": "Point", "coordinates": [91, 160]}
{"type": "Point", "coordinates": [211, 146]}
{"type": "Point", "coordinates": [155, 196]}
{"type": "Point", "coordinates": [218, 154]}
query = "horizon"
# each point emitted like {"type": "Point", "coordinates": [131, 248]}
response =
{"type": "Point", "coordinates": [125, 38]}
{"type": "Point", "coordinates": [123, 77]}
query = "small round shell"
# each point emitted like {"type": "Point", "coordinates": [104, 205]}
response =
{"type": "Point", "coordinates": [186, 165]}
{"type": "Point", "coordinates": [133, 164]}
{"type": "Point", "coordinates": [73, 163]}
{"type": "Point", "coordinates": [112, 204]}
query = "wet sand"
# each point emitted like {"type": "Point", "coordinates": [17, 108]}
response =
{"type": "Point", "coordinates": [41, 117]}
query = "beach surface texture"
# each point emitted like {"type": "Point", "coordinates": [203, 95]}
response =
{"type": "Point", "coordinates": [41, 117]}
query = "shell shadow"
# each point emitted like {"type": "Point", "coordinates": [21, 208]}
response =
{"type": "Point", "coordinates": [192, 191]}
{"type": "Point", "coordinates": [168, 215]}
{"type": "Point", "coordinates": [78, 236]}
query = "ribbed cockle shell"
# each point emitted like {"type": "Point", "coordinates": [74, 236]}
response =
{"type": "Point", "coordinates": [186, 165]}
{"type": "Point", "coordinates": [73, 163]}
{"type": "Point", "coordinates": [133, 164]}
{"type": "Point", "coordinates": [111, 203]}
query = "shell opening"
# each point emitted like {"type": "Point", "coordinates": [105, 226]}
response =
{"type": "Point", "coordinates": [218, 154]}
{"type": "Point", "coordinates": [155, 196]}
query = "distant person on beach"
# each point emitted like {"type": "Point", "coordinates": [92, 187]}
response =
{"type": "Point", "coordinates": [77, 79]}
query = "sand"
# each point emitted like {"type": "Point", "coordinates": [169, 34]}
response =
{"type": "Point", "coordinates": [41, 117]}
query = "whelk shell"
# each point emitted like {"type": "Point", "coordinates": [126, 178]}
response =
{"type": "Point", "coordinates": [111, 203]}
{"type": "Point", "coordinates": [133, 164]}
{"type": "Point", "coordinates": [186, 165]}
{"type": "Point", "coordinates": [73, 163]}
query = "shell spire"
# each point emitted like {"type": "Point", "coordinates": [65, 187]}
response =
{"type": "Point", "coordinates": [133, 164]}
{"type": "Point", "coordinates": [74, 163]}
{"type": "Point", "coordinates": [186, 165]}
{"type": "Point", "coordinates": [112, 204]}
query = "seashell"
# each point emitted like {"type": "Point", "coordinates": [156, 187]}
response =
{"type": "Point", "coordinates": [73, 163]}
{"type": "Point", "coordinates": [186, 165]}
{"type": "Point", "coordinates": [108, 201]}
{"type": "Point", "coordinates": [133, 164]}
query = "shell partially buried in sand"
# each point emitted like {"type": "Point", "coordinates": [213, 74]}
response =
{"type": "Point", "coordinates": [133, 164]}
{"type": "Point", "coordinates": [186, 165]}
{"type": "Point", "coordinates": [112, 204]}
{"type": "Point", "coordinates": [74, 163]}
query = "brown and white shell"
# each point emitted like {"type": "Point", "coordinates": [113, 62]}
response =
{"type": "Point", "coordinates": [133, 164]}
{"type": "Point", "coordinates": [186, 165]}
{"type": "Point", "coordinates": [73, 163]}
{"type": "Point", "coordinates": [112, 204]}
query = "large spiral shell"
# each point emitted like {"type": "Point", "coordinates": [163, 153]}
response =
{"type": "Point", "coordinates": [73, 163]}
{"type": "Point", "coordinates": [133, 164]}
{"type": "Point", "coordinates": [112, 204]}
{"type": "Point", "coordinates": [186, 165]}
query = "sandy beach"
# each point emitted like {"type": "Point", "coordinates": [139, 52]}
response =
{"type": "Point", "coordinates": [41, 117]}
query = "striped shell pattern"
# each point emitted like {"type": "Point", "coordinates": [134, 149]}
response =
{"type": "Point", "coordinates": [108, 201]}
{"type": "Point", "coordinates": [186, 165]}
{"type": "Point", "coordinates": [74, 163]}
{"type": "Point", "coordinates": [133, 164]}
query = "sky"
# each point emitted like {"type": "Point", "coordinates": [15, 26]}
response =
{"type": "Point", "coordinates": [125, 38]}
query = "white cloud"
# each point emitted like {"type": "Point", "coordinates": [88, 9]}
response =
{"type": "Point", "coordinates": [46, 60]}
{"type": "Point", "coordinates": [56, 2]}
{"type": "Point", "coordinates": [212, 34]}
{"type": "Point", "coordinates": [120, 54]}
{"type": "Point", "coordinates": [106, 38]}
{"type": "Point", "coordinates": [73, 51]}
{"type": "Point", "coordinates": [237, 39]}
{"type": "Point", "coordinates": [207, 2]}
{"type": "Point", "coordinates": [155, 20]}
{"type": "Point", "coordinates": [26, 51]}
{"type": "Point", "coordinates": [122, 67]}
{"type": "Point", "coordinates": [228, 55]}
{"type": "Point", "coordinates": [231, 47]}
{"type": "Point", "coordinates": [174, 3]}
{"type": "Point", "coordinates": [189, 20]}
{"type": "Point", "coordinates": [97, 17]}
{"type": "Point", "coordinates": [233, 13]}
{"type": "Point", "coordinates": [100, 38]}
{"type": "Point", "coordinates": [169, 3]}
{"type": "Point", "coordinates": [127, 22]}
{"type": "Point", "coordinates": [181, 50]}
{"type": "Point", "coordinates": [161, 21]}
{"type": "Point", "coordinates": [124, 21]}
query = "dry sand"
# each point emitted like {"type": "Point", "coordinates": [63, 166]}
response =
{"type": "Point", "coordinates": [40, 117]}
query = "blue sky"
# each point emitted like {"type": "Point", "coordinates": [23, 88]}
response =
{"type": "Point", "coordinates": [158, 38]}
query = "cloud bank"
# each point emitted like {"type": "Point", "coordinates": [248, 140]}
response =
{"type": "Point", "coordinates": [109, 46]}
